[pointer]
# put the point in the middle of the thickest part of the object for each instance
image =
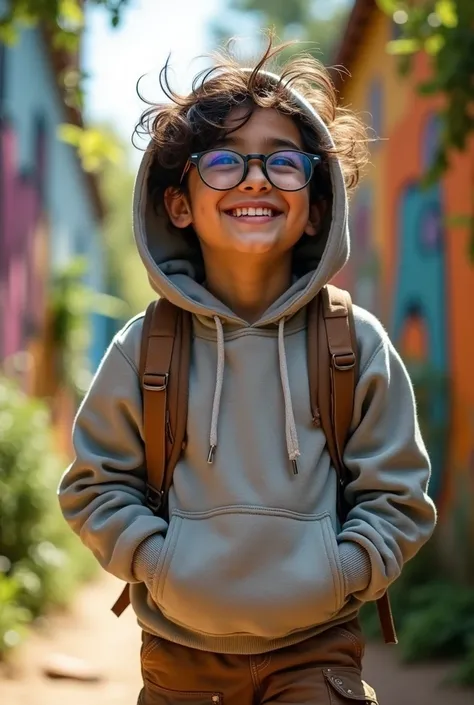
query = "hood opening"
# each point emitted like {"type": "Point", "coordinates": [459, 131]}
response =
{"type": "Point", "coordinates": [173, 257]}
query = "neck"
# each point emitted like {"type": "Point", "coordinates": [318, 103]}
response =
{"type": "Point", "coordinates": [248, 286]}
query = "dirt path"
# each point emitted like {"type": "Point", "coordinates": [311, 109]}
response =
{"type": "Point", "coordinates": [93, 633]}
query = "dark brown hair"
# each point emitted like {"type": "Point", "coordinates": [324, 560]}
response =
{"type": "Point", "coordinates": [196, 122]}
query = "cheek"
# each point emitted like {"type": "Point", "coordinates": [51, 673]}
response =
{"type": "Point", "coordinates": [299, 206]}
{"type": "Point", "coordinates": [204, 202]}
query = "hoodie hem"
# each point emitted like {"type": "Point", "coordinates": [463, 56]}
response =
{"type": "Point", "coordinates": [241, 644]}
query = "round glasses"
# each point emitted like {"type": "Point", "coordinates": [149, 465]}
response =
{"type": "Point", "coordinates": [224, 169]}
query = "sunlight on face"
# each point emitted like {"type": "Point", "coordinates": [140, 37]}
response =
{"type": "Point", "coordinates": [221, 219]}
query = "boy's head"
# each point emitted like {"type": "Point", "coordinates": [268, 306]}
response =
{"type": "Point", "coordinates": [240, 141]}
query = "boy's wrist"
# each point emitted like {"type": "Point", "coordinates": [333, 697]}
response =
{"type": "Point", "coordinates": [356, 568]}
{"type": "Point", "coordinates": [146, 557]}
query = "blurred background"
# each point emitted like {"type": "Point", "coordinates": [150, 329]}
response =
{"type": "Point", "coordinates": [70, 276]}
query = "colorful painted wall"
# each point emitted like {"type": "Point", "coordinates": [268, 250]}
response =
{"type": "Point", "coordinates": [410, 261]}
{"type": "Point", "coordinates": [48, 215]}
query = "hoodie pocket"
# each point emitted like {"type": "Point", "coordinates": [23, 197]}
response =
{"type": "Point", "coordinates": [249, 570]}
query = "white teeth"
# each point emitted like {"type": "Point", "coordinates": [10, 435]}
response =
{"type": "Point", "coordinates": [237, 212]}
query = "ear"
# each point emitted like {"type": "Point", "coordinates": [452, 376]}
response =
{"type": "Point", "coordinates": [316, 215]}
{"type": "Point", "coordinates": [178, 207]}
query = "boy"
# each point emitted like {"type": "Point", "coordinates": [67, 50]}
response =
{"type": "Point", "coordinates": [249, 591]}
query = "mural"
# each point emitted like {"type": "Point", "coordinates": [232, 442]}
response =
{"type": "Point", "coordinates": [420, 287]}
{"type": "Point", "coordinates": [409, 263]}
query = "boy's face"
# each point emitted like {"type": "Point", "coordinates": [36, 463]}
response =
{"type": "Point", "coordinates": [210, 211]}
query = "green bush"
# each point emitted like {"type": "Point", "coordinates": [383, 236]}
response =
{"type": "Point", "coordinates": [434, 616]}
{"type": "Point", "coordinates": [40, 559]}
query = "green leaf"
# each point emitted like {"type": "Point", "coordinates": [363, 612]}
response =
{"type": "Point", "coordinates": [434, 44]}
{"type": "Point", "coordinates": [446, 11]}
{"type": "Point", "coordinates": [428, 88]}
{"type": "Point", "coordinates": [71, 134]}
{"type": "Point", "coordinates": [71, 15]}
{"type": "Point", "coordinates": [95, 147]}
{"type": "Point", "coordinates": [389, 6]}
{"type": "Point", "coordinates": [8, 34]}
{"type": "Point", "coordinates": [403, 46]}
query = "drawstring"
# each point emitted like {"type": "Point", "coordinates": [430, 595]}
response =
{"type": "Point", "coordinates": [290, 426]}
{"type": "Point", "coordinates": [218, 390]}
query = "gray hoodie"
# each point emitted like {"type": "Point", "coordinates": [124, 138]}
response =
{"type": "Point", "coordinates": [253, 557]}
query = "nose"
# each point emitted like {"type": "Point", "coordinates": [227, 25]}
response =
{"type": "Point", "coordinates": [255, 179]}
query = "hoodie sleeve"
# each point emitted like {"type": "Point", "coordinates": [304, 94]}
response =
{"type": "Point", "coordinates": [391, 515]}
{"type": "Point", "coordinates": [102, 494]}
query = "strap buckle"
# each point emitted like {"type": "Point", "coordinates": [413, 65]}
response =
{"type": "Point", "coordinates": [155, 382]}
{"type": "Point", "coordinates": [153, 498]}
{"type": "Point", "coordinates": [343, 361]}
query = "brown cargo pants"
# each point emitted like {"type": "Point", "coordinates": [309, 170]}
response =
{"type": "Point", "coordinates": [323, 670]}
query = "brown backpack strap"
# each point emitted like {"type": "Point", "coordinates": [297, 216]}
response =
{"type": "Point", "coordinates": [333, 374]}
{"type": "Point", "coordinates": [164, 412]}
{"type": "Point", "coordinates": [337, 377]}
{"type": "Point", "coordinates": [164, 377]}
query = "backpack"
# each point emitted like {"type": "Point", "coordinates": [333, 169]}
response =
{"type": "Point", "coordinates": [164, 371]}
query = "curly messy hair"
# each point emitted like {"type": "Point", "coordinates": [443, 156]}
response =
{"type": "Point", "coordinates": [196, 122]}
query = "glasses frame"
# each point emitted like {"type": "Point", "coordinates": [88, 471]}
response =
{"type": "Point", "coordinates": [195, 159]}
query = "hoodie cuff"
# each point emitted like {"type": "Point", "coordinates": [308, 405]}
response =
{"type": "Point", "coordinates": [356, 568]}
{"type": "Point", "coordinates": [146, 557]}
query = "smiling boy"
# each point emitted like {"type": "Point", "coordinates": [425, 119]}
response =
{"type": "Point", "coordinates": [248, 590]}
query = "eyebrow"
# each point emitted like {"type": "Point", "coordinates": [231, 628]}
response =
{"type": "Point", "coordinates": [270, 142]}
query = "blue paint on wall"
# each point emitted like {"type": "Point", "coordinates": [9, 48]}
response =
{"type": "Point", "coordinates": [421, 285]}
{"type": "Point", "coordinates": [421, 267]}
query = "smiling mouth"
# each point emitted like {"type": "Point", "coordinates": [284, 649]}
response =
{"type": "Point", "coordinates": [253, 213]}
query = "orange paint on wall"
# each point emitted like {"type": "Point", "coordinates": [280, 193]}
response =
{"type": "Point", "coordinates": [459, 190]}
{"type": "Point", "coordinates": [414, 340]}
{"type": "Point", "coordinates": [397, 163]}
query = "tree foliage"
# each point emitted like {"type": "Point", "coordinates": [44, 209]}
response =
{"type": "Point", "coordinates": [63, 18]}
{"type": "Point", "coordinates": [444, 30]}
{"type": "Point", "coordinates": [63, 21]}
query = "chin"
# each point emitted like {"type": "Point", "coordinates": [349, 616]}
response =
{"type": "Point", "coordinates": [256, 245]}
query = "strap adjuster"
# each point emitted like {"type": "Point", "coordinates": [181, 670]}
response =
{"type": "Point", "coordinates": [153, 499]}
{"type": "Point", "coordinates": [155, 382]}
{"type": "Point", "coordinates": [343, 361]}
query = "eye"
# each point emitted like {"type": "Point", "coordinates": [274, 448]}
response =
{"type": "Point", "coordinates": [286, 159]}
{"type": "Point", "coordinates": [221, 159]}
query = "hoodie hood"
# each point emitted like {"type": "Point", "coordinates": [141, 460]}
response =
{"type": "Point", "coordinates": [174, 262]}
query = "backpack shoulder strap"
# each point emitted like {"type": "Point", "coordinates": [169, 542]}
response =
{"type": "Point", "coordinates": [164, 379]}
{"type": "Point", "coordinates": [332, 364]}
{"type": "Point", "coordinates": [164, 375]}
{"type": "Point", "coordinates": [333, 373]}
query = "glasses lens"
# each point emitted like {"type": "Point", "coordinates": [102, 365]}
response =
{"type": "Point", "coordinates": [221, 169]}
{"type": "Point", "coordinates": [289, 170]}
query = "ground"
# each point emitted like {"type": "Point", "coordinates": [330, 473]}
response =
{"type": "Point", "coordinates": [111, 646]}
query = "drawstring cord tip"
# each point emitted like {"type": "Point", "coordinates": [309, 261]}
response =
{"type": "Point", "coordinates": [210, 457]}
{"type": "Point", "coordinates": [295, 467]}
